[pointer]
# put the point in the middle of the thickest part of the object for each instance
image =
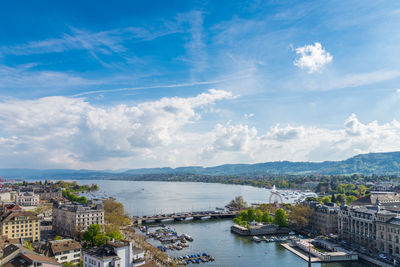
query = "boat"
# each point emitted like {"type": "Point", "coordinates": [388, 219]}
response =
{"type": "Point", "coordinates": [256, 239]}
{"type": "Point", "coordinates": [188, 218]}
{"type": "Point", "coordinates": [205, 218]}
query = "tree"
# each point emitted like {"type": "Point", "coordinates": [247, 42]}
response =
{"type": "Point", "coordinates": [251, 215]}
{"type": "Point", "coordinates": [265, 217]}
{"type": "Point", "coordinates": [28, 244]}
{"type": "Point", "coordinates": [100, 239]}
{"type": "Point", "coordinates": [333, 199]}
{"type": "Point", "coordinates": [92, 231]}
{"type": "Point", "coordinates": [237, 204]}
{"type": "Point", "coordinates": [116, 235]}
{"type": "Point", "coordinates": [350, 199]}
{"type": "Point", "coordinates": [57, 237]}
{"type": "Point", "coordinates": [300, 215]}
{"type": "Point", "coordinates": [259, 215]}
{"type": "Point", "coordinates": [281, 218]}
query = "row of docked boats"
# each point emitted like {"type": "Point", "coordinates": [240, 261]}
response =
{"type": "Point", "coordinates": [195, 258]}
{"type": "Point", "coordinates": [178, 246]}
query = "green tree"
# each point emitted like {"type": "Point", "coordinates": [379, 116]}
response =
{"type": "Point", "coordinates": [100, 239]}
{"type": "Point", "coordinates": [265, 217]}
{"type": "Point", "coordinates": [281, 218]}
{"type": "Point", "coordinates": [28, 244]}
{"type": "Point", "coordinates": [251, 215]}
{"type": "Point", "coordinates": [350, 199]}
{"type": "Point", "coordinates": [57, 237]}
{"type": "Point", "coordinates": [238, 203]}
{"type": "Point", "coordinates": [92, 231]}
{"type": "Point", "coordinates": [259, 215]}
{"type": "Point", "coordinates": [116, 235]}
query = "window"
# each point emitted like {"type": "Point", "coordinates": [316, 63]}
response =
{"type": "Point", "coordinates": [63, 258]}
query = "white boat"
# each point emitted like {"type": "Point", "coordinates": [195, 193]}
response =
{"type": "Point", "coordinates": [205, 217]}
{"type": "Point", "coordinates": [188, 218]}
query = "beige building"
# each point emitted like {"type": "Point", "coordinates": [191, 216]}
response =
{"type": "Point", "coordinates": [388, 233]}
{"type": "Point", "coordinates": [358, 225]}
{"type": "Point", "coordinates": [324, 218]}
{"type": "Point", "coordinates": [73, 218]}
{"type": "Point", "coordinates": [20, 224]}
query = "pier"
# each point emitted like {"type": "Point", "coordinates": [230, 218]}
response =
{"type": "Point", "coordinates": [184, 216]}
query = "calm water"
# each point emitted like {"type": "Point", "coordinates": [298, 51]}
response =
{"type": "Point", "coordinates": [213, 236]}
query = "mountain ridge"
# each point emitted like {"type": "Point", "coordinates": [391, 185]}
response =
{"type": "Point", "coordinates": [384, 163]}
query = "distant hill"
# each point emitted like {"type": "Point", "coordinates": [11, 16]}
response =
{"type": "Point", "coordinates": [372, 163]}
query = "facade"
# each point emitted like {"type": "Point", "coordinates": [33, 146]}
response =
{"type": "Point", "coordinates": [118, 253]}
{"type": "Point", "coordinates": [20, 224]}
{"type": "Point", "coordinates": [358, 225]}
{"type": "Point", "coordinates": [49, 193]}
{"type": "Point", "coordinates": [73, 218]}
{"type": "Point", "coordinates": [324, 218]}
{"type": "Point", "coordinates": [388, 233]}
{"type": "Point", "coordinates": [63, 251]}
{"type": "Point", "coordinates": [138, 256]}
{"type": "Point", "coordinates": [27, 199]}
{"type": "Point", "coordinates": [7, 196]}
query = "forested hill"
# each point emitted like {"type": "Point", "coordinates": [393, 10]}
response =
{"type": "Point", "coordinates": [372, 163]}
{"type": "Point", "coordinates": [367, 164]}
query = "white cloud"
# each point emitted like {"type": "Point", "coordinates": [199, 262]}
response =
{"type": "Point", "coordinates": [61, 127]}
{"type": "Point", "coordinates": [55, 132]}
{"type": "Point", "coordinates": [312, 57]}
{"type": "Point", "coordinates": [248, 116]}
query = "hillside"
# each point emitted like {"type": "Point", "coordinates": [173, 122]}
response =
{"type": "Point", "coordinates": [368, 164]}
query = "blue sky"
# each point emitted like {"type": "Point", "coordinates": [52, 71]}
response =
{"type": "Point", "coordinates": [97, 85]}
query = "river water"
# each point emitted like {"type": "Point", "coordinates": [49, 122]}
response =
{"type": "Point", "coordinates": [210, 236]}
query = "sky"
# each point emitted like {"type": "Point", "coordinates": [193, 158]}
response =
{"type": "Point", "coordinates": [138, 84]}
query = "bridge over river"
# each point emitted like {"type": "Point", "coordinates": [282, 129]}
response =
{"type": "Point", "coordinates": [184, 216]}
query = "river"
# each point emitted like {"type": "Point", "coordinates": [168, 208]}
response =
{"type": "Point", "coordinates": [212, 236]}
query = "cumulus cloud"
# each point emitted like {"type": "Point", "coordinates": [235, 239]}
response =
{"type": "Point", "coordinates": [67, 132]}
{"type": "Point", "coordinates": [71, 128]}
{"type": "Point", "coordinates": [312, 57]}
{"type": "Point", "coordinates": [240, 143]}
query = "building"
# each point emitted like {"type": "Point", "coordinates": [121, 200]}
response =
{"type": "Point", "coordinates": [20, 224]}
{"type": "Point", "coordinates": [70, 219]}
{"type": "Point", "coordinates": [324, 218]}
{"type": "Point", "coordinates": [49, 193]}
{"type": "Point", "coordinates": [378, 198]}
{"type": "Point", "coordinates": [138, 256]}
{"type": "Point", "coordinates": [7, 196]}
{"type": "Point", "coordinates": [28, 199]}
{"type": "Point", "coordinates": [63, 251]}
{"type": "Point", "coordinates": [117, 253]}
{"type": "Point", "coordinates": [18, 256]}
{"type": "Point", "coordinates": [388, 233]}
{"type": "Point", "coordinates": [358, 225]}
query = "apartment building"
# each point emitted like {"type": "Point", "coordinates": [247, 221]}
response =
{"type": "Point", "coordinates": [324, 218]}
{"type": "Point", "coordinates": [27, 199]}
{"type": "Point", "coordinates": [358, 225]}
{"type": "Point", "coordinates": [388, 233]}
{"type": "Point", "coordinates": [20, 224]}
{"type": "Point", "coordinates": [63, 251]}
{"type": "Point", "coordinates": [118, 253]}
{"type": "Point", "coordinates": [70, 219]}
{"type": "Point", "coordinates": [49, 193]}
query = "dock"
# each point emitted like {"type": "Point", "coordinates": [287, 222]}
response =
{"type": "Point", "coordinates": [199, 215]}
{"type": "Point", "coordinates": [298, 253]}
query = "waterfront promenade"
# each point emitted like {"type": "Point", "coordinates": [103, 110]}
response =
{"type": "Point", "coordinates": [199, 215]}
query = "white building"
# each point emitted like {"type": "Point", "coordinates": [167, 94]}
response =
{"type": "Point", "coordinates": [63, 251]}
{"type": "Point", "coordinates": [27, 199]}
{"type": "Point", "coordinates": [138, 256]}
{"type": "Point", "coordinates": [117, 253]}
